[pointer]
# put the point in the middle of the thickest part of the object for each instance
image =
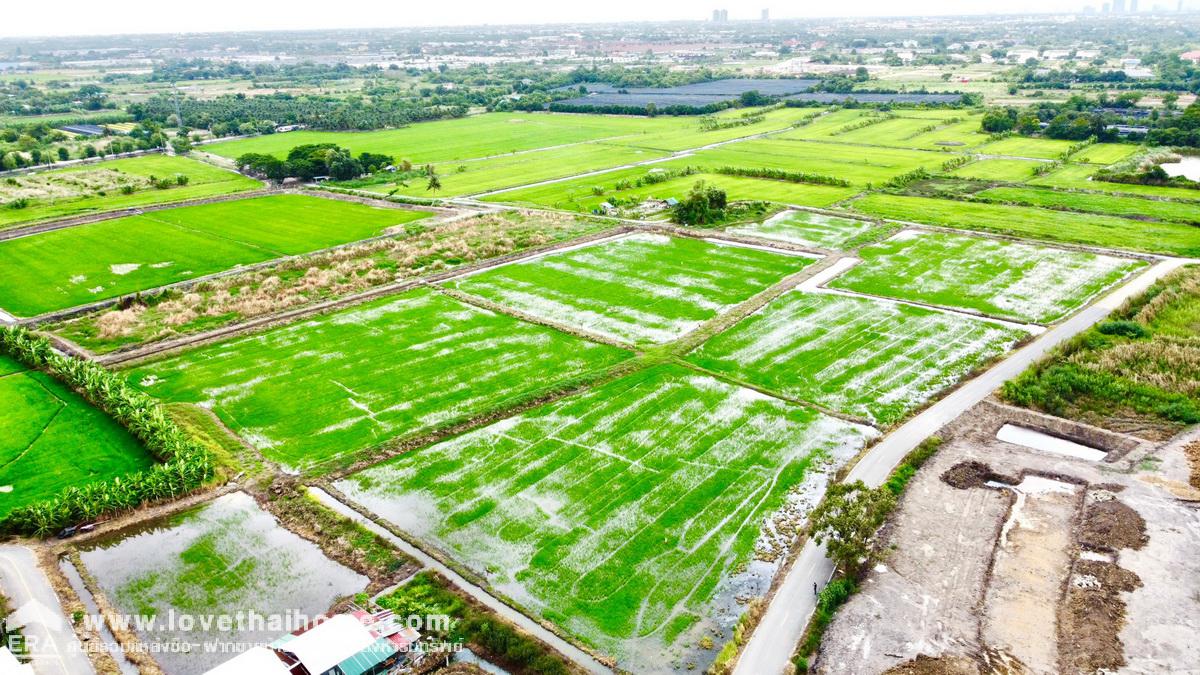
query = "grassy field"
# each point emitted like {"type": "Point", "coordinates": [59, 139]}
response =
{"type": "Point", "coordinates": [125, 255]}
{"type": "Point", "coordinates": [1105, 153]}
{"type": "Point", "coordinates": [998, 278]}
{"type": "Point", "coordinates": [858, 164]}
{"type": "Point", "coordinates": [686, 133]}
{"type": "Point", "coordinates": [1077, 177]}
{"type": "Point", "coordinates": [521, 169]}
{"type": "Point", "coordinates": [53, 439]}
{"type": "Point", "coordinates": [1007, 170]}
{"type": "Point", "coordinates": [619, 512]}
{"type": "Point", "coordinates": [1114, 205]}
{"type": "Point", "coordinates": [465, 138]}
{"type": "Point", "coordinates": [97, 188]}
{"type": "Point", "coordinates": [873, 359]}
{"type": "Point", "coordinates": [823, 126]}
{"type": "Point", "coordinates": [814, 229]}
{"type": "Point", "coordinates": [581, 194]}
{"type": "Point", "coordinates": [955, 136]}
{"type": "Point", "coordinates": [389, 368]}
{"type": "Point", "coordinates": [1035, 223]}
{"type": "Point", "coordinates": [1138, 372]}
{"type": "Point", "coordinates": [642, 288]}
{"type": "Point", "coordinates": [1021, 146]}
{"type": "Point", "coordinates": [223, 558]}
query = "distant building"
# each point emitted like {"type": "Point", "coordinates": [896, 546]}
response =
{"type": "Point", "coordinates": [720, 15]}
{"type": "Point", "coordinates": [766, 15]}
{"type": "Point", "coordinates": [83, 129]}
{"type": "Point", "coordinates": [1133, 6]}
{"type": "Point", "coordinates": [1118, 6]}
{"type": "Point", "coordinates": [1193, 56]}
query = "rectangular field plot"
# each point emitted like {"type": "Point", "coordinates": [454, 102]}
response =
{"type": "Point", "coordinates": [225, 558]}
{"type": "Point", "coordinates": [814, 229]}
{"type": "Point", "coordinates": [47, 430]}
{"type": "Point", "coordinates": [102, 187]}
{"type": "Point", "coordinates": [1036, 223]}
{"type": "Point", "coordinates": [1006, 170]}
{"type": "Point", "coordinates": [1105, 153]}
{"type": "Point", "coordinates": [520, 169]}
{"type": "Point", "coordinates": [586, 194]}
{"type": "Point", "coordinates": [1079, 177]}
{"type": "Point", "coordinates": [998, 278]}
{"type": "Point", "coordinates": [83, 264]}
{"type": "Point", "coordinates": [1116, 205]}
{"type": "Point", "coordinates": [314, 390]}
{"type": "Point", "coordinates": [642, 288]}
{"type": "Point", "coordinates": [858, 164]}
{"type": "Point", "coordinates": [1020, 146]}
{"type": "Point", "coordinates": [869, 358]}
{"type": "Point", "coordinates": [621, 513]}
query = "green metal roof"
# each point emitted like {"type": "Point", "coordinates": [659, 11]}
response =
{"type": "Point", "coordinates": [362, 662]}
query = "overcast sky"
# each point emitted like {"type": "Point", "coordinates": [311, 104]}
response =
{"type": "Point", "coordinates": [102, 17]}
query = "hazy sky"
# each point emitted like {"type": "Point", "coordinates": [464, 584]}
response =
{"type": "Point", "coordinates": [76, 17]}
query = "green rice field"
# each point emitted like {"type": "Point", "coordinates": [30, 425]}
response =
{"type": "Point", "coordinates": [872, 359]}
{"type": "Point", "coordinates": [111, 258]}
{"type": "Point", "coordinates": [1105, 153]}
{"type": "Point", "coordinates": [1022, 146]}
{"type": "Point", "coordinates": [1004, 279]}
{"type": "Point", "coordinates": [225, 558]}
{"type": "Point", "coordinates": [1006, 170]}
{"type": "Point", "coordinates": [361, 376]}
{"type": "Point", "coordinates": [1035, 223]}
{"type": "Point", "coordinates": [96, 188]}
{"type": "Point", "coordinates": [1115, 205]}
{"type": "Point", "coordinates": [859, 165]}
{"type": "Point", "coordinates": [53, 439]}
{"type": "Point", "coordinates": [622, 514]}
{"type": "Point", "coordinates": [640, 289]}
{"type": "Point", "coordinates": [817, 230]}
{"type": "Point", "coordinates": [1078, 177]}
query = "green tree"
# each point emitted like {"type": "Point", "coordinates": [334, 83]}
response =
{"type": "Point", "coordinates": [847, 520]}
{"type": "Point", "coordinates": [702, 206]}
{"type": "Point", "coordinates": [435, 183]}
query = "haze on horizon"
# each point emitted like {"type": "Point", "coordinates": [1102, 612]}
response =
{"type": "Point", "coordinates": [75, 17]}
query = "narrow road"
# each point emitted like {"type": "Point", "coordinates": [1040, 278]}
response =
{"type": "Point", "coordinates": [773, 642]}
{"type": "Point", "coordinates": [49, 637]}
{"type": "Point", "coordinates": [575, 654]}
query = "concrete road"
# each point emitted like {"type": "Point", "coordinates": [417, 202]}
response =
{"type": "Point", "coordinates": [51, 641]}
{"type": "Point", "coordinates": [773, 642]}
{"type": "Point", "coordinates": [575, 654]}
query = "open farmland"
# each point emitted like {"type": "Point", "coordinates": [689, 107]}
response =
{"type": "Point", "coordinates": [47, 430]}
{"type": "Point", "coordinates": [389, 368]}
{"type": "Point", "coordinates": [642, 288]}
{"type": "Point", "coordinates": [1036, 223]}
{"type": "Point", "coordinates": [1022, 146]}
{"type": "Point", "coordinates": [1079, 177]}
{"type": "Point", "coordinates": [227, 557]}
{"type": "Point", "coordinates": [1105, 153]}
{"type": "Point", "coordinates": [520, 169]}
{"type": "Point", "coordinates": [102, 187]}
{"type": "Point", "coordinates": [458, 139]}
{"type": "Point", "coordinates": [858, 164]}
{"type": "Point", "coordinates": [1115, 205]}
{"type": "Point", "coordinates": [998, 278]}
{"type": "Point", "coordinates": [586, 194]}
{"type": "Point", "coordinates": [872, 359]}
{"type": "Point", "coordinates": [806, 228]}
{"type": "Point", "coordinates": [1005, 170]}
{"type": "Point", "coordinates": [111, 258]}
{"type": "Point", "coordinates": [626, 513]}
{"type": "Point", "coordinates": [686, 134]}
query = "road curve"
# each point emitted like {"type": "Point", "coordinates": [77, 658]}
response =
{"type": "Point", "coordinates": [771, 645]}
{"type": "Point", "coordinates": [51, 641]}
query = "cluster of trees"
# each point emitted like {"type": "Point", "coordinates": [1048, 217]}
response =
{"type": "Point", "coordinates": [22, 97]}
{"type": "Point", "coordinates": [241, 114]}
{"type": "Point", "coordinates": [317, 159]}
{"type": "Point", "coordinates": [704, 205]}
{"type": "Point", "coordinates": [37, 144]}
{"type": "Point", "coordinates": [184, 464]}
{"type": "Point", "coordinates": [1079, 118]}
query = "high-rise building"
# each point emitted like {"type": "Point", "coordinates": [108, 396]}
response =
{"type": "Point", "coordinates": [766, 15]}
{"type": "Point", "coordinates": [1133, 6]}
{"type": "Point", "coordinates": [720, 15]}
{"type": "Point", "coordinates": [1118, 6]}
{"type": "Point", "coordinates": [1105, 8]}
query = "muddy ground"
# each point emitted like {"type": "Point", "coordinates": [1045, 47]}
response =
{"type": "Point", "coordinates": [1003, 558]}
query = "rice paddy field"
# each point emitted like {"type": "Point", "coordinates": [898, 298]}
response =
{"type": "Point", "coordinates": [317, 390]}
{"type": "Point", "coordinates": [1078, 177]}
{"type": "Point", "coordinates": [1005, 170]}
{"type": "Point", "coordinates": [817, 230]}
{"type": "Point", "coordinates": [1035, 223]}
{"type": "Point", "coordinates": [1116, 205]}
{"type": "Point", "coordinates": [48, 429]}
{"type": "Point", "coordinates": [1022, 282]}
{"type": "Point", "coordinates": [871, 359]}
{"type": "Point", "coordinates": [639, 289]}
{"type": "Point", "coordinates": [1023, 146]}
{"type": "Point", "coordinates": [586, 194]}
{"type": "Point", "coordinates": [623, 514]}
{"type": "Point", "coordinates": [1105, 153]}
{"type": "Point", "coordinates": [857, 164]}
{"type": "Point", "coordinates": [96, 188]}
{"type": "Point", "coordinates": [223, 558]}
{"type": "Point", "coordinates": [115, 257]}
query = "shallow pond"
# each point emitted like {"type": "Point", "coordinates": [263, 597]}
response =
{"type": "Point", "coordinates": [222, 574]}
{"type": "Point", "coordinates": [1188, 167]}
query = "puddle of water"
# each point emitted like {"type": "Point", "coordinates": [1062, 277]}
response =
{"type": "Point", "coordinates": [1188, 167]}
{"type": "Point", "coordinates": [89, 603]}
{"type": "Point", "coordinates": [1095, 556]}
{"type": "Point", "coordinates": [1011, 433]}
{"type": "Point", "coordinates": [225, 561]}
